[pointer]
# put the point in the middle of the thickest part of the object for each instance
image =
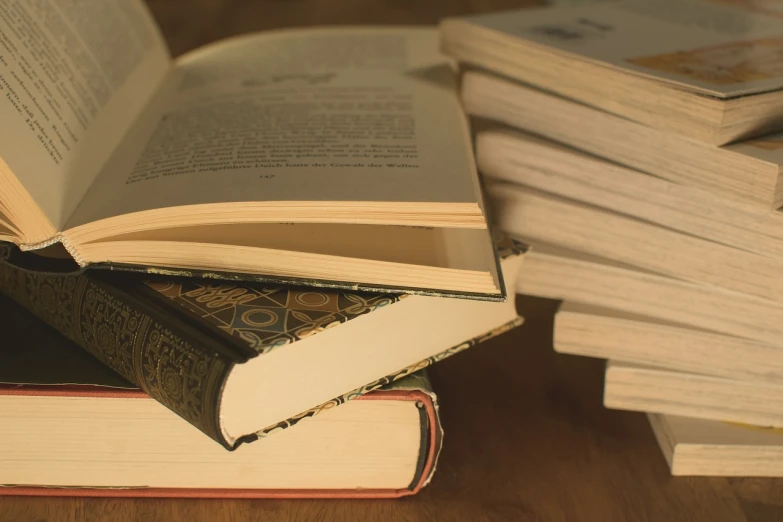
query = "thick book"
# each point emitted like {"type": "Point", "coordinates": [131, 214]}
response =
{"type": "Point", "coordinates": [326, 156]}
{"type": "Point", "coordinates": [593, 331]}
{"type": "Point", "coordinates": [705, 69]}
{"type": "Point", "coordinates": [698, 447]}
{"type": "Point", "coordinates": [72, 427]}
{"type": "Point", "coordinates": [558, 273]}
{"type": "Point", "coordinates": [533, 214]}
{"type": "Point", "coordinates": [670, 392]}
{"type": "Point", "coordinates": [744, 176]}
{"type": "Point", "coordinates": [240, 361]}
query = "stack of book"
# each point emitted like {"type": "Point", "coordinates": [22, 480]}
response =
{"type": "Point", "coordinates": [632, 145]}
{"type": "Point", "coordinates": [249, 237]}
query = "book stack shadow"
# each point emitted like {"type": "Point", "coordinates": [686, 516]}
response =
{"type": "Point", "coordinates": [649, 207]}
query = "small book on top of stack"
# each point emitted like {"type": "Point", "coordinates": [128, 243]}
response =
{"type": "Point", "coordinates": [637, 147]}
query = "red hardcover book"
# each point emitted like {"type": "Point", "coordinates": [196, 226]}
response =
{"type": "Point", "coordinates": [71, 427]}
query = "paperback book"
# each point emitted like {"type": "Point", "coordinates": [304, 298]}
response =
{"type": "Point", "coordinates": [704, 69]}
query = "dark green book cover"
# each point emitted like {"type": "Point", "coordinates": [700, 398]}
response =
{"type": "Point", "coordinates": [179, 339]}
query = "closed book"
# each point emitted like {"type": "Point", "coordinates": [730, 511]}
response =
{"type": "Point", "coordinates": [706, 70]}
{"type": "Point", "coordinates": [535, 215]}
{"type": "Point", "coordinates": [698, 447]}
{"type": "Point", "coordinates": [332, 156]}
{"type": "Point", "coordinates": [593, 331]}
{"type": "Point", "coordinates": [743, 175]}
{"type": "Point", "coordinates": [558, 273]}
{"type": "Point", "coordinates": [524, 159]}
{"type": "Point", "coordinates": [72, 427]}
{"type": "Point", "coordinates": [670, 392]}
{"type": "Point", "coordinates": [240, 361]}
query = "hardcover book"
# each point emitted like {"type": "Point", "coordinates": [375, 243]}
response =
{"type": "Point", "coordinates": [72, 427]}
{"type": "Point", "coordinates": [240, 361]}
{"type": "Point", "coordinates": [327, 157]}
{"type": "Point", "coordinates": [705, 69]}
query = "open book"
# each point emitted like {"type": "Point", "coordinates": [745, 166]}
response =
{"type": "Point", "coordinates": [332, 156]}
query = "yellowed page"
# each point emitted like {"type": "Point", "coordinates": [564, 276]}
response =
{"type": "Point", "coordinates": [73, 77]}
{"type": "Point", "coordinates": [438, 247]}
{"type": "Point", "coordinates": [4, 219]}
{"type": "Point", "coordinates": [6, 233]}
{"type": "Point", "coordinates": [339, 114]}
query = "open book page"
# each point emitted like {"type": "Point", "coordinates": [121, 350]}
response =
{"type": "Point", "coordinates": [438, 247]}
{"type": "Point", "coordinates": [337, 114]}
{"type": "Point", "coordinates": [73, 77]}
{"type": "Point", "coordinates": [718, 47]}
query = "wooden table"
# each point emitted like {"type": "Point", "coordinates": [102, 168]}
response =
{"type": "Point", "coordinates": [526, 436]}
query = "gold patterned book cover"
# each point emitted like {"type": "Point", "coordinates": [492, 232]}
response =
{"type": "Point", "coordinates": [54, 396]}
{"type": "Point", "coordinates": [240, 361]}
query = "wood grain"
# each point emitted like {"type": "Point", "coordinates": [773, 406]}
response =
{"type": "Point", "coordinates": [526, 436]}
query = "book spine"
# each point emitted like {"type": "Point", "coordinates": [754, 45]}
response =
{"type": "Point", "coordinates": [181, 371]}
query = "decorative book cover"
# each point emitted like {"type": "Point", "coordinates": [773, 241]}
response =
{"type": "Point", "coordinates": [38, 362]}
{"type": "Point", "coordinates": [178, 339]}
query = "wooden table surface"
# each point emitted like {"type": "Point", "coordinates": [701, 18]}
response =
{"type": "Point", "coordinates": [526, 436]}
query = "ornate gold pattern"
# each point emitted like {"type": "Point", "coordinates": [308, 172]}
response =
{"type": "Point", "coordinates": [187, 376]}
{"type": "Point", "coordinates": [266, 317]}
